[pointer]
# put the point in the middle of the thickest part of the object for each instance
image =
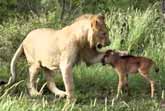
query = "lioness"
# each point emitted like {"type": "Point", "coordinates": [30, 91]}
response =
{"type": "Point", "coordinates": [129, 64]}
{"type": "Point", "coordinates": [60, 49]}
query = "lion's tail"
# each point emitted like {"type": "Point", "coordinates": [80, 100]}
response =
{"type": "Point", "coordinates": [19, 51]}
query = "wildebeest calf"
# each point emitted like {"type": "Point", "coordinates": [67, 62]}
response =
{"type": "Point", "coordinates": [124, 64]}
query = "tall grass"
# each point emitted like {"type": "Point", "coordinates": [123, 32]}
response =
{"type": "Point", "coordinates": [134, 29]}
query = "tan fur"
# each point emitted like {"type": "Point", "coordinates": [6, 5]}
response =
{"type": "Point", "coordinates": [85, 16]}
{"type": "Point", "coordinates": [129, 64]}
{"type": "Point", "coordinates": [61, 49]}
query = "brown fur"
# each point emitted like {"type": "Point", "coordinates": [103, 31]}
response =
{"type": "Point", "coordinates": [129, 64]}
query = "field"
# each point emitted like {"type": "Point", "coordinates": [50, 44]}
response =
{"type": "Point", "coordinates": [140, 32]}
{"type": "Point", "coordinates": [95, 88]}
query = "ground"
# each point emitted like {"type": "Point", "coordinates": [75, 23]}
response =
{"type": "Point", "coordinates": [95, 88]}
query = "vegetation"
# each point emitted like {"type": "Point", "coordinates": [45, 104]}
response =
{"type": "Point", "coordinates": [134, 25]}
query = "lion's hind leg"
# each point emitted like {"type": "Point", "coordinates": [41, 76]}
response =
{"type": "Point", "coordinates": [51, 84]}
{"type": "Point", "coordinates": [33, 72]}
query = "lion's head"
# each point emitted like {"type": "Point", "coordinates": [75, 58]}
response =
{"type": "Point", "coordinates": [98, 36]}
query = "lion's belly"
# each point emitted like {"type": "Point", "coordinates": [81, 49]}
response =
{"type": "Point", "coordinates": [43, 49]}
{"type": "Point", "coordinates": [50, 63]}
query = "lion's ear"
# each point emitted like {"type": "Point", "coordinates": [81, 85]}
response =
{"type": "Point", "coordinates": [101, 17]}
{"type": "Point", "coordinates": [94, 22]}
{"type": "Point", "coordinates": [97, 20]}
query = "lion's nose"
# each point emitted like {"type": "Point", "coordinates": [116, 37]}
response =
{"type": "Point", "coordinates": [99, 46]}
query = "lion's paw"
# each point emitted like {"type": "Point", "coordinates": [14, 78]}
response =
{"type": "Point", "coordinates": [60, 94]}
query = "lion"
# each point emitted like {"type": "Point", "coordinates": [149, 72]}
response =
{"type": "Point", "coordinates": [60, 50]}
{"type": "Point", "coordinates": [125, 64]}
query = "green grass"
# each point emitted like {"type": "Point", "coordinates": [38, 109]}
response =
{"type": "Point", "coordinates": [43, 104]}
{"type": "Point", "coordinates": [95, 88]}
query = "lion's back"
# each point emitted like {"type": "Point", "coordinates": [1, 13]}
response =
{"type": "Point", "coordinates": [39, 45]}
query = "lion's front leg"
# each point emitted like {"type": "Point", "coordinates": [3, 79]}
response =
{"type": "Point", "coordinates": [66, 71]}
{"type": "Point", "coordinates": [67, 61]}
